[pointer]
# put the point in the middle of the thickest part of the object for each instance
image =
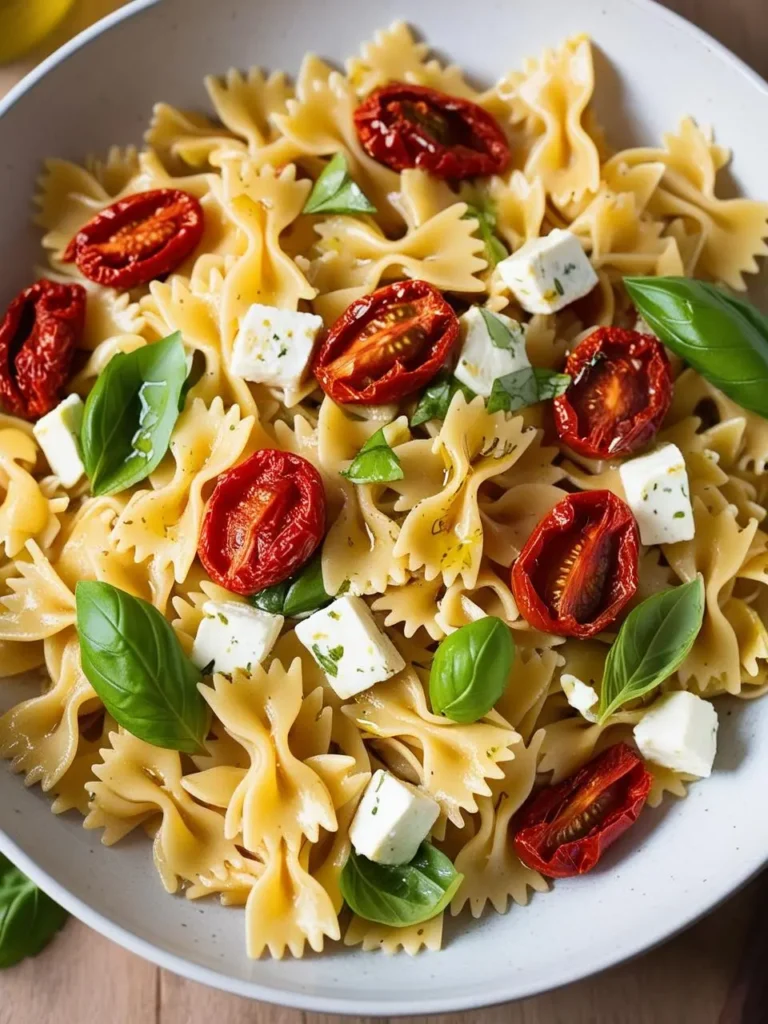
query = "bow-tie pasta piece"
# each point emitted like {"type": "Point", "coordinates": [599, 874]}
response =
{"type": "Point", "coordinates": [190, 840]}
{"type": "Point", "coordinates": [458, 759]}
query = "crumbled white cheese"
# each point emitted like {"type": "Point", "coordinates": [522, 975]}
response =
{"type": "Point", "coordinates": [579, 695]}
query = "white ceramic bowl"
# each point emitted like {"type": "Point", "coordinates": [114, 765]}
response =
{"type": "Point", "coordinates": [679, 861]}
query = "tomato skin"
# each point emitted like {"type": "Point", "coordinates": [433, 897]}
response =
{"type": "Point", "coordinates": [378, 367]}
{"type": "Point", "coordinates": [578, 568]}
{"type": "Point", "coordinates": [264, 520]}
{"type": "Point", "coordinates": [399, 125]}
{"type": "Point", "coordinates": [608, 794]}
{"type": "Point", "coordinates": [621, 391]}
{"type": "Point", "coordinates": [38, 337]}
{"type": "Point", "coordinates": [137, 239]}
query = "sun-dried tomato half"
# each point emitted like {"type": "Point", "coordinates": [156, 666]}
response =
{"type": "Point", "coordinates": [265, 518]}
{"type": "Point", "coordinates": [564, 830]}
{"type": "Point", "coordinates": [578, 568]}
{"type": "Point", "coordinates": [621, 391]}
{"type": "Point", "coordinates": [137, 239]}
{"type": "Point", "coordinates": [403, 126]}
{"type": "Point", "coordinates": [38, 338]}
{"type": "Point", "coordinates": [387, 345]}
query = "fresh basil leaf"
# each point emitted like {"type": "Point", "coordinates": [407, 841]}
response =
{"type": "Point", "coordinates": [298, 595]}
{"type": "Point", "coordinates": [132, 659]}
{"type": "Point", "coordinates": [437, 397]}
{"type": "Point", "coordinates": [471, 669]}
{"type": "Point", "coordinates": [336, 192]}
{"type": "Point", "coordinates": [130, 414]}
{"type": "Point", "coordinates": [271, 599]}
{"type": "Point", "coordinates": [400, 894]}
{"type": "Point", "coordinates": [525, 387]}
{"type": "Point", "coordinates": [28, 918]}
{"type": "Point", "coordinates": [653, 642]}
{"type": "Point", "coordinates": [495, 250]}
{"type": "Point", "coordinates": [375, 463]}
{"type": "Point", "coordinates": [502, 335]}
{"type": "Point", "coordinates": [723, 338]}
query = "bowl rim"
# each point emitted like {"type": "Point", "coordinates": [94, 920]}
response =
{"type": "Point", "coordinates": [303, 1000]}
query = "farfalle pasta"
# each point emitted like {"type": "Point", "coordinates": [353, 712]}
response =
{"type": "Point", "coordinates": [368, 488]}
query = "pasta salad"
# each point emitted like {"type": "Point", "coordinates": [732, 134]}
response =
{"type": "Point", "coordinates": [382, 477]}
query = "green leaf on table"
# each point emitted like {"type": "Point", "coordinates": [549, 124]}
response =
{"type": "Point", "coordinates": [437, 397]}
{"type": "Point", "coordinates": [723, 338]}
{"type": "Point", "coordinates": [400, 894]}
{"type": "Point", "coordinates": [336, 192]}
{"type": "Point", "coordinates": [653, 642]}
{"type": "Point", "coordinates": [28, 918]}
{"type": "Point", "coordinates": [135, 663]}
{"type": "Point", "coordinates": [130, 414]}
{"type": "Point", "coordinates": [525, 387]}
{"type": "Point", "coordinates": [375, 463]}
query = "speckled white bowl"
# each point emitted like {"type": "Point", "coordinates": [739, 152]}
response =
{"type": "Point", "coordinates": [679, 861]}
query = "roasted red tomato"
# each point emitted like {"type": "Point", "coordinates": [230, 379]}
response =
{"type": "Point", "coordinates": [387, 345]}
{"type": "Point", "coordinates": [265, 518]}
{"type": "Point", "coordinates": [137, 239]}
{"type": "Point", "coordinates": [578, 568]}
{"type": "Point", "coordinates": [565, 829]}
{"type": "Point", "coordinates": [38, 337]}
{"type": "Point", "coordinates": [621, 391]}
{"type": "Point", "coordinates": [403, 126]}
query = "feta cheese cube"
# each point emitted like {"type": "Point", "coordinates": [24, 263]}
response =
{"type": "Point", "coordinates": [657, 491]}
{"type": "Point", "coordinates": [548, 273]}
{"type": "Point", "coordinates": [58, 434]}
{"type": "Point", "coordinates": [480, 360]}
{"type": "Point", "coordinates": [234, 635]}
{"type": "Point", "coordinates": [348, 645]}
{"type": "Point", "coordinates": [392, 820]}
{"type": "Point", "coordinates": [579, 695]}
{"type": "Point", "coordinates": [679, 731]}
{"type": "Point", "coordinates": [274, 346]}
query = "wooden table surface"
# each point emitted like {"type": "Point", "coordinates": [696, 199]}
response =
{"type": "Point", "coordinates": [714, 973]}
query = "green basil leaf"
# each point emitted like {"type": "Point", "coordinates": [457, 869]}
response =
{"type": "Point", "coordinates": [437, 397]}
{"type": "Point", "coordinates": [28, 918]}
{"type": "Point", "coordinates": [525, 387]}
{"type": "Point", "coordinates": [132, 659]}
{"type": "Point", "coordinates": [653, 642]}
{"type": "Point", "coordinates": [502, 335]}
{"type": "Point", "coordinates": [723, 338]}
{"type": "Point", "coordinates": [495, 250]}
{"type": "Point", "coordinates": [375, 463]}
{"type": "Point", "coordinates": [471, 669]}
{"type": "Point", "coordinates": [336, 192]}
{"type": "Point", "coordinates": [271, 599]}
{"type": "Point", "coordinates": [297, 596]}
{"type": "Point", "coordinates": [400, 894]}
{"type": "Point", "coordinates": [130, 414]}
